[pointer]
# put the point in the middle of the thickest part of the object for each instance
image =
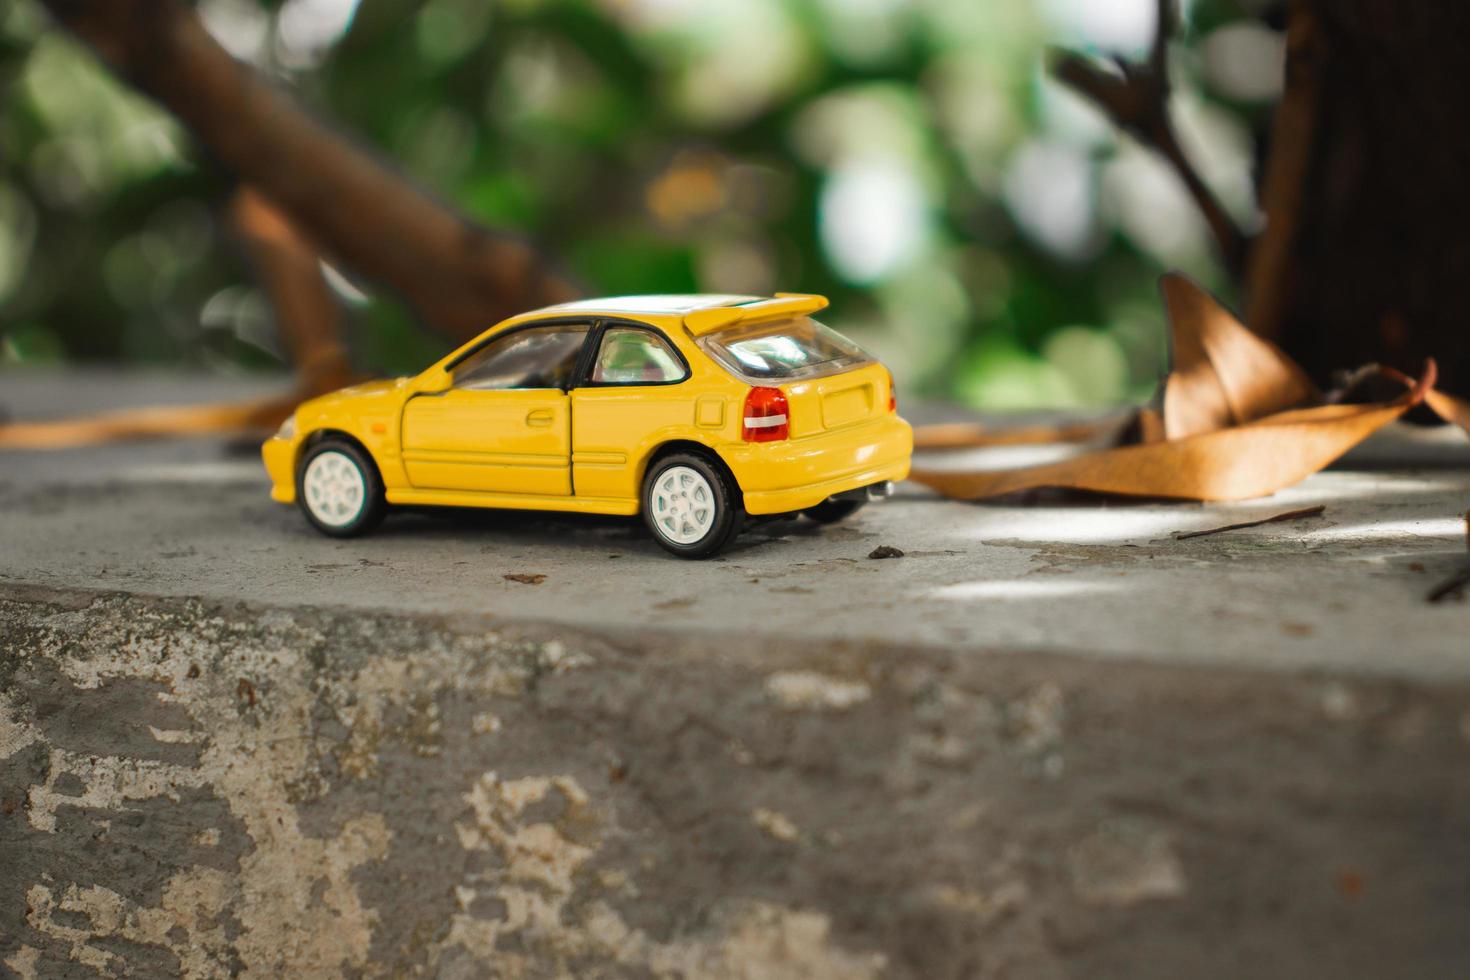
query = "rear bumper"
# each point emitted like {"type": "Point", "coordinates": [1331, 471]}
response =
{"type": "Point", "coordinates": [780, 477]}
{"type": "Point", "coordinates": [280, 458]}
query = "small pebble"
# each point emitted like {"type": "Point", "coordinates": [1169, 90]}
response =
{"type": "Point", "coordinates": [885, 551]}
{"type": "Point", "coordinates": [526, 578]}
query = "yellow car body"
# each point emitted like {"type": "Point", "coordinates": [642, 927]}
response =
{"type": "Point", "coordinates": [585, 446]}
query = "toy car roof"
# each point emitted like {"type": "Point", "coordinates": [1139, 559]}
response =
{"type": "Point", "coordinates": [700, 312]}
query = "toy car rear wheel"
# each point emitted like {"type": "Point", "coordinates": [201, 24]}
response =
{"type": "Point", "coordinates": [691, 505]}
{"type": "Point", "coordinates": [832, 511]}
{"type": "Point", "coordinates": [339, 490]}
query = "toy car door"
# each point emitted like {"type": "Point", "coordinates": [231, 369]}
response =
{"type": "Point", "coordinates": [503, 425]}
{"type": "Point", "coordinates": [634, 392]}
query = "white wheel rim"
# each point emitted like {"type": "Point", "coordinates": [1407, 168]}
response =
{"type": "Point", "coordinates": [334, 488]}
{"type": "Point", "coordinates": [682, 505]}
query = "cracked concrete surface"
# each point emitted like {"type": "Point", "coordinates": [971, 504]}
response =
{"type": "Point", "coordinates": [313, 794]}
{"type": "Point", "coordinates": [1049, 741]}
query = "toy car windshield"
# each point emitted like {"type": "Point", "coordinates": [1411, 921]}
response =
{"type": "Point", "coordinates": [786, 350]}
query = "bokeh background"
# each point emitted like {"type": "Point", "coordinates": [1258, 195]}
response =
{"type": "Point", "coordinates": [977, 225]}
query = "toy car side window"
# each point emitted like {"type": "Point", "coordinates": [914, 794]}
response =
{"type": "Point", "coordinates": [631, 356]}
{"type": "Point", "coordinates": [536, 357]}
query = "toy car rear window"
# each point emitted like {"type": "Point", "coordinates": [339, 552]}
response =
{"type": "Point", "coordinates": [786, 350]}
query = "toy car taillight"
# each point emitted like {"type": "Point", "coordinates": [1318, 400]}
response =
{"type": "Point", "coordinates": [766, 418]}
{"type": "Point", "coordinates": [892, 394]}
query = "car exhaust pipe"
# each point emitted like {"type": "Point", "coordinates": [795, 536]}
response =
{"type": "Point", "coordinates": [879, 491]}
{"type": "Point", "coordinates": [873, 491]}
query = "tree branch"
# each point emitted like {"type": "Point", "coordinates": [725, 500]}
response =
{"type": "Point", "coordinates": [1137, 101]}
{"type": "Point", "coordinates": [459, 276]}
{"type": "Point", "coordinates": [307, 316]}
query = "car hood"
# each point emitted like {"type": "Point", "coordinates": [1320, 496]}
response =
{"type": "Point", "coordinates": [367, 389]}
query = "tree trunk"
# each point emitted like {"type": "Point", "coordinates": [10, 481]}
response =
{"type": "Point", "coordinates": [1376, 262]}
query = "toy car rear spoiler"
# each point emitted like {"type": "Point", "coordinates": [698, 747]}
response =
{"type": "Point", "coordinates": [701, 322]}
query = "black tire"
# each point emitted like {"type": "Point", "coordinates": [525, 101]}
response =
{"type": "Point", "coordinates": [373, 507]}
{"type": "Point", "coordinates": [728, 504]}
{"type": "Point", "coordinates": [832, 511]}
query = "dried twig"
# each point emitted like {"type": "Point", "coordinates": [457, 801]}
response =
{"type": "Point", "coordinates": [1452, 586]}
{"type": "Point", "coordinates": [1137, 100]}
{"type": "Point", "coordinates": [1290, 515]}
{"type": "Point", "coordinates": [1455, 584]}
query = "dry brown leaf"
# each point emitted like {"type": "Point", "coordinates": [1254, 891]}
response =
{"type": "Point", "coordinates": [1228, 431]}
{"type": "Point", "coordinates": [1448, 407]}
{"type": "Point", "coordinates": [1222, 374]}
{"type": "Point", "coordinates": [1251, 460]}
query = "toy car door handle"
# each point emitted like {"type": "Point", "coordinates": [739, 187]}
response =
{"type": "Point", "coordinates": [539, 416]}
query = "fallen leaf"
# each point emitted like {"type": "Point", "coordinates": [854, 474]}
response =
{"type": "Point", "coordinates": [1251, 460]}
{"type": "Point", "coordinates": [526, 578]}
{"type": "Point", "coordinates": [1449, 408]}
{"type": "Point", "coordinates": [1222, 374]}
{"type": "Point", "coordinates": [1228, 429]}
{"type": "Point", "coordinates": [885, 551]}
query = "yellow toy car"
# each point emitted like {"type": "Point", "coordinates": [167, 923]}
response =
{"type": "Point", "coordinates": [695, 411]}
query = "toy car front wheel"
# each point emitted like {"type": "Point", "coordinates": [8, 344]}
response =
{"type": "Point", "coordinates": [339, 490]}
{"type": "Point", "coordinates": [691, 505]}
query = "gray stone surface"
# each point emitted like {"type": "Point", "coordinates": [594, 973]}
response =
{"type": "Point", "coordinates": [1102, 579]}
{"type": "Point", "coordinates": [1049, 741]}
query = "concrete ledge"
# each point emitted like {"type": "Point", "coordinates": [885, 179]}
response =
{"type": "Point", "coordinates": [205, 788]}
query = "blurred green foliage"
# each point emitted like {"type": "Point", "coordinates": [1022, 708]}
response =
{"type": "Point", "coordinates": [979, 227]}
